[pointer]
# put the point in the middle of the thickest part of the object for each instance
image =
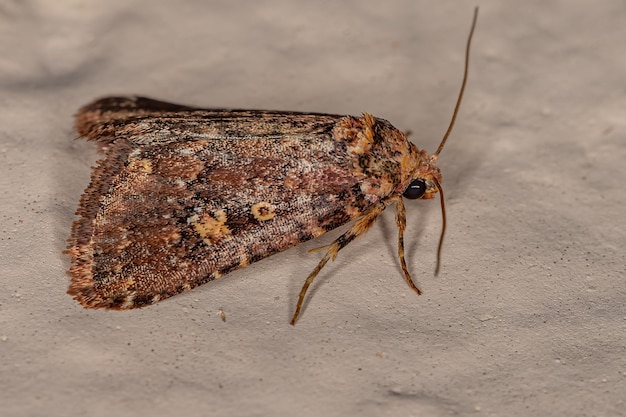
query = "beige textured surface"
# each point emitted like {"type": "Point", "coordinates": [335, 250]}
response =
{"type": "Point", "coordinates": [527, 316]}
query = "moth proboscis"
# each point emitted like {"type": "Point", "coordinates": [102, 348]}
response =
{"type": "Point", "coordinates": [185, 195]}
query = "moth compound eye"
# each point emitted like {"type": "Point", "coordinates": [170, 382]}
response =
{"type": "Point", "coordinates": [415, 190]}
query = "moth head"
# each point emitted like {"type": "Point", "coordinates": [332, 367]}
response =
{"type": "Point", "coordinates": [421, 188]}
{"type": "Point", "coordinates": [426, 177]}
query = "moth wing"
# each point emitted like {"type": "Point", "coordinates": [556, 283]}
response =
{"type": "Point", "coordinates": [144, 121]}
{"type": "Point", "coordinates": [167, 215]}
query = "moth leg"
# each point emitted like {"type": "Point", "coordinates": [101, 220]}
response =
{"type": "Point", "coordinates": [320, 248]}
{"type": "Point", "coordinates": [401, 222]}
{"type": "Point", "coordinates": [360, 228]}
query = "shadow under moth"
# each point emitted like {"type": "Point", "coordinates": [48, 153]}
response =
{"type": "Point", "coordinates": [185, 195]}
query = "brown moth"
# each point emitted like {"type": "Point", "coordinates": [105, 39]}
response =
{"type": "Point", "coordinates": [185, 195]}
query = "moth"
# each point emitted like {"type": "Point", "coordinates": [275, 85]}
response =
{"type": "Point", "coordinates": [185, 195]}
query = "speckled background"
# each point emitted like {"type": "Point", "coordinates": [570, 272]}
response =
{"type": "Point", "coordinates": [527, 317]}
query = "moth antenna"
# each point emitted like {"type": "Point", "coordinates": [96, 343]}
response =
{"type": "Point", "coordinates": [443, 227]}
{"type": "Point", "coordinates": [458, 100]}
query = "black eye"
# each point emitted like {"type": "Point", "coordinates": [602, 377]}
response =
{"type": "Point", "coordinates": [415, 190]}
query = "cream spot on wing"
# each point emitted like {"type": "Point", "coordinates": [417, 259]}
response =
{"type": "Point", "coordinates": [263, 211]}
{"type": "Point", "coordinates": [211, 229]}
